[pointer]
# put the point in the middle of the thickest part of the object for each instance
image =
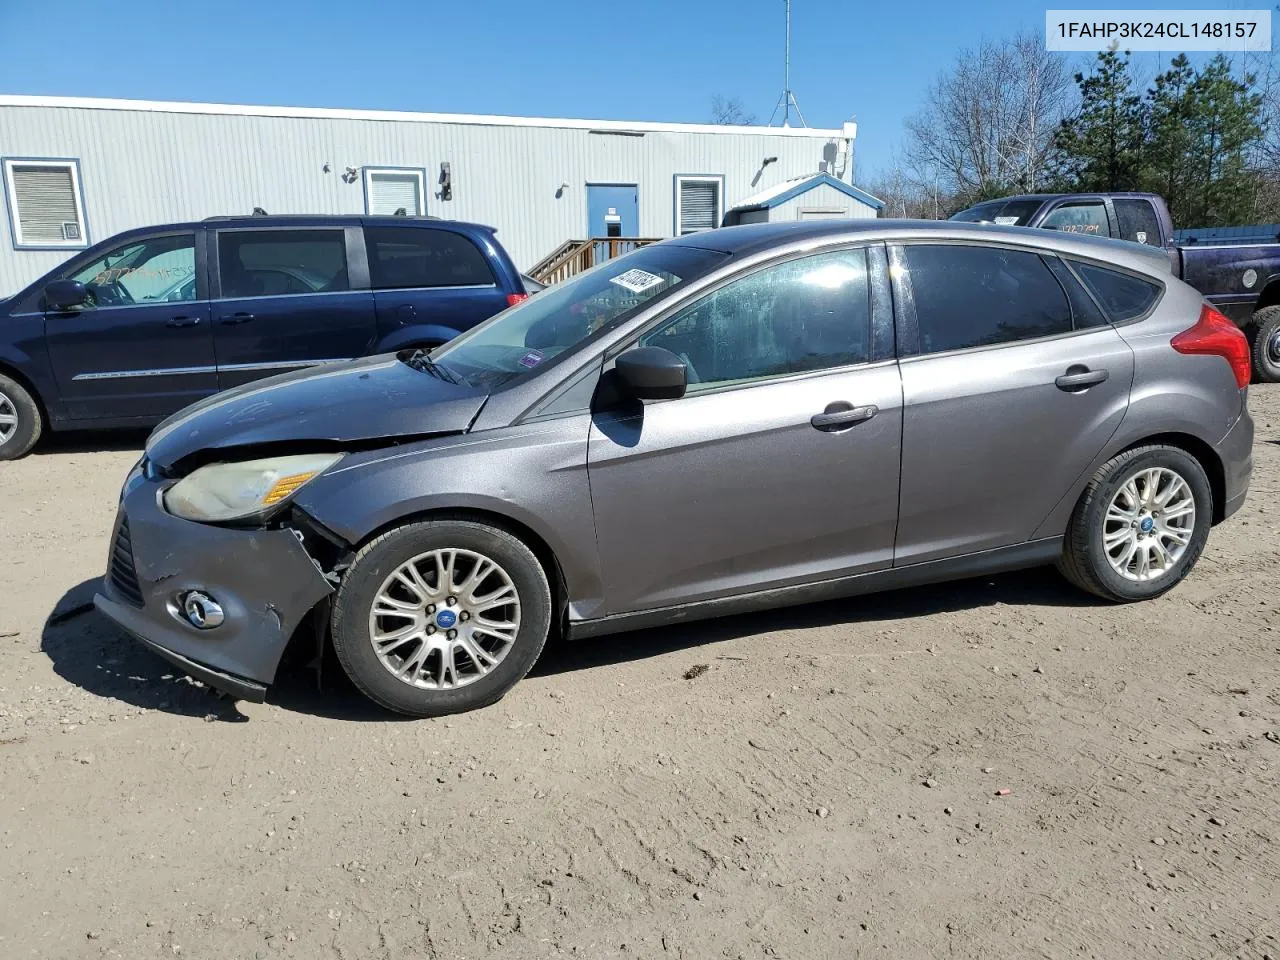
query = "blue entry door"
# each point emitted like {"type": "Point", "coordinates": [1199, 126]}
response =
{"type": "Point", "coordinates": [613, 210]}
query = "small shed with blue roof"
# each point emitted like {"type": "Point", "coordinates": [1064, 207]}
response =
{"type": "Point", "coordinates": [818, 196]}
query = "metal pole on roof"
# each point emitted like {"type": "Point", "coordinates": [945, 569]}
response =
{"type": "Point", "coordinates": [788, 99]}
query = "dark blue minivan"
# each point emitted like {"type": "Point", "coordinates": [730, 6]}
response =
{"type": "Point", "coordinates": [141, 325]}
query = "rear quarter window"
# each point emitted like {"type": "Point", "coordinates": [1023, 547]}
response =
{"type": "Point", "coordinates": [403, 257]}
{"type": "Point", "coordinates": [1122, 295]}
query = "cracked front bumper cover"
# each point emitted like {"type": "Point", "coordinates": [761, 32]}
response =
{"type": "Point", "coordinates": [264, 580]}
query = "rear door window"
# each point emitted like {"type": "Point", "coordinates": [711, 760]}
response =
{"type": "Point", "coordinates": [972, 296]}
{"type": "Point", "coordinates": [401, 257]}
{"type": "Point", "coordinates": [1138, 222]}
{"type": "Point", "coordinates": [1088, 218]}
{"type": "Point", "coordinates": [265, 263]}
{"type": "Point", "coordinates": [1122, 295]}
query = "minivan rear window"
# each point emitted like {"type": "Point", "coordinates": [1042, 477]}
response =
{"type": "Point", "coordinates": [1122, 295]}
{"type": "Point", "coordinates": [401, 257]}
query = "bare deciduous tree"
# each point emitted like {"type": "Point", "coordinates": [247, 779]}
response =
{"type": "Point", "coordinates": [730, 111]}
{"type": "Point", "coordinates": [987, 124]}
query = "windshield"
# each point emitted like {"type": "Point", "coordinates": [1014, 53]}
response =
{"type": "Point", "coordinates": [1009, 213]}
{"type": "Point", "coordinates": [526, 337]}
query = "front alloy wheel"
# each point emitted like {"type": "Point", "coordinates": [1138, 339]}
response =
{"type": "Point", "coordinates": [444, 619]}
{"type": "Point", "coordinates": [441, 616]}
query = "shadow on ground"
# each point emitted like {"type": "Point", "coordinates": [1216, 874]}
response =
{"type": "Point", "coordinates": [1042, 586]}
{"type": "Point", "coordinates": [89, 651]}
{"type": "Point", "coordinates": [86, 441]}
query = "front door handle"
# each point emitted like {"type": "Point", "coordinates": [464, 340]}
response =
{"type": "Point", "coordinates": [841, 415]}
{"type": "Point", "coordinates": [1079, 377]}
{"type": "Point", "coordinates": [236, 318]}
{"type": "Point", "coordinates": [183, 322]}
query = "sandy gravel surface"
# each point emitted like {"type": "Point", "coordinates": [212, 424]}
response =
{"type": "Point", "coordinates": [827, 788]}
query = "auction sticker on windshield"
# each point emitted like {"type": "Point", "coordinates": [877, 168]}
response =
{"type": "Point", "coordinates": [637, 280]}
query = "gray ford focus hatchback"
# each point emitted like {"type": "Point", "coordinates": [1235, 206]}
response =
{"type": "Point", "coordinates": [746, 418]}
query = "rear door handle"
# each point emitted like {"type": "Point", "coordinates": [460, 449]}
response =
{"type": "Point", "coordinates": [184, 322]}
{"type": "Point", "coordinates": [237, 318]}
{"type": "Point", "coordinates": [841, 415]}
{"type": "Point", "coordinates": [1079, 377]}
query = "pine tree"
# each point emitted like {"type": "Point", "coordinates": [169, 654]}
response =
{"type": "Point", "coordinates": [1101, 146]}
{"type": "Point", "coordinates": [1171, 105]}
{"type": "Point", "coordinates": [1226, 124]}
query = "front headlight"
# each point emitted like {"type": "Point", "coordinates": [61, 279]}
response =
{"type": "Point", "coordinates": [237, 491]}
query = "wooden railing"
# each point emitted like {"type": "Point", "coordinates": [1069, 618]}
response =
{"type": "Point", "coordinates": [574, 256]}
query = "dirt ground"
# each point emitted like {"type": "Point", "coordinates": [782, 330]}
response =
{"type": "Point", "coordinates": [827, 788]}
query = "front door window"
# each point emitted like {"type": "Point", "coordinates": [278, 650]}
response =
{"type": "Point", "coordinates": [154, 270]}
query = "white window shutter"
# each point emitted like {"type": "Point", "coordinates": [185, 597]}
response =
{"type": "Point", "coordinates": [389, 192]}
{"type": "Point", "coordinates": [699, 205]}
{"type": "Point", "coordinates": [46, 204]}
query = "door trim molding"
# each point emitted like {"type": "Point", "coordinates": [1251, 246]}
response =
{"type": "Point", "coordinates": [188, 371]}
{"type": "Point", "coordinates": [1033, 553]}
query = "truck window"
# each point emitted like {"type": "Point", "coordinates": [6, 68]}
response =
{"type": "Point", "coordinates": [1088, 218]}
{"type": "Point", "coordinates": [1138, 221]}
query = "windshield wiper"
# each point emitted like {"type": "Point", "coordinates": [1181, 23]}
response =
{"type": "Point", "coordinates": [420, 360]}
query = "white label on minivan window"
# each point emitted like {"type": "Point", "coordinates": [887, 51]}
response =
{"type": "Point", "coordinates": [1007, 221]}
{"type": "Point", "coordinates": [637, 280]}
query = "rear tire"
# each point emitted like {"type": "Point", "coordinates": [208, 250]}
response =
{"type": "Point", "coordinates": [1115, 520]}
{"type": "Point", "coordinates": [397, 590]}
{"type": "Point", "coordinates": [20, 421]}
{"type": "Point", "coordinates": [1264, 342]}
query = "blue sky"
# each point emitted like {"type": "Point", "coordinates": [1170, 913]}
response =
{"type": "Point", "coordinates": [658, 60]}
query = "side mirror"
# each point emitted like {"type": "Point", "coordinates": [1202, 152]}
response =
{"type": "Point", "coordinates": [62, 294]}
{"type": "Point", "coordinates": [652, 373]}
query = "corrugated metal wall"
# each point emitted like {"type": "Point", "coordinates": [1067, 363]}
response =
{"type": "Point", "coordinates": [822, 197]}
{"type": "Point", "coordinates": [142, 167]}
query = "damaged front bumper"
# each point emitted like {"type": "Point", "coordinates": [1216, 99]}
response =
{"type": "Point", "coordinates": [263, 581]}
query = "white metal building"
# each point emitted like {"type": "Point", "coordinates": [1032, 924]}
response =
{"type": "Point", "coordinates": [76, 171]}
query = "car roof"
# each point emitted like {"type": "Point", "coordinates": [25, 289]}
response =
{"type": "Point", "coordinates": [756, 238]}
{"type": "Point", "coordinates": [313, 220]}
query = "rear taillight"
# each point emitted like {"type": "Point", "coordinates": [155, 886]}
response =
{"type": "Point", "coordinates": [514, 298]}
{"type": "Point", "coordinates": [1215, 335]}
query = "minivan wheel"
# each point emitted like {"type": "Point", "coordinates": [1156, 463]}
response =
{"type": "Point", "coordinates": [20, 422]}
{"type": "Point", "coordinates": [1140, 525]}
{"type": "Point", "coordinates": [1264, 339]}
{"type": "Point", "coordinates": [441, 616]}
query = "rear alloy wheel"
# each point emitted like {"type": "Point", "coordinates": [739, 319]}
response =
{"type": "Point", "coordinates": [1140, 525]}
{"type": "Point", "coordinates": [20, 422]}
{"type": "Point", "coordinates": [1264, 338]}
{"type": "Point", "coordinates": [441, 616]}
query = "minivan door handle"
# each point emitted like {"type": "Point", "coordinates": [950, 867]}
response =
{"type": "Point", "coordinates": [841, 415]}
{"type": "Point", "coordinates": [1079, 377]}
{"type": "Point", "coordinates": [183, 322]}
{"type": "Point", "coordinates": [236, 318]}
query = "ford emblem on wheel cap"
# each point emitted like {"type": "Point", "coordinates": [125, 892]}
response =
{"type": "Point", "coordinates": [1147, 524]}
{"type": "Point", "coordinates": [446, 619]}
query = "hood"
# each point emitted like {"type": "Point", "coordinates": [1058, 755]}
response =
{"type": "Point", "coordinates": [357, 402]}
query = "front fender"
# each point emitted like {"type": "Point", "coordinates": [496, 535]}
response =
{"type": "Point", "coordinates": [534, 476]}
{"type": "Point", "coordinates": [415, 335]}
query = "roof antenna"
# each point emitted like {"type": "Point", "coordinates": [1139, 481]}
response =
{"type": "Point", "coordinates": [788, 99]}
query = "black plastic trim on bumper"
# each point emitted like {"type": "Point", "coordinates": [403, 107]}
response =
{"type": "Point", "coordinates": [238, 687]}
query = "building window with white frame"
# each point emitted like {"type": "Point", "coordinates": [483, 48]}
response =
{"type": "Point", "coordinates": [46, 204]}
{"type": "Point", "coordinates": [699, 203]}
{"type": "Point", "coordinates": [389, 191]}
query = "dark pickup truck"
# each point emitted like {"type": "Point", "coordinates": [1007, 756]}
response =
{"type": "Point", "coordinates": [1239, 276]}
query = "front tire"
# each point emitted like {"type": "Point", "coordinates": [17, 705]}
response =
{"type": "Point", "coordinates": [1140, 525]}
{"type": "Point", "coordinates": [441, 616]}
{"type": "Point", "coordinates": [20, 422]}
{"type": "Point", "coordinates": [1264, 342]}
